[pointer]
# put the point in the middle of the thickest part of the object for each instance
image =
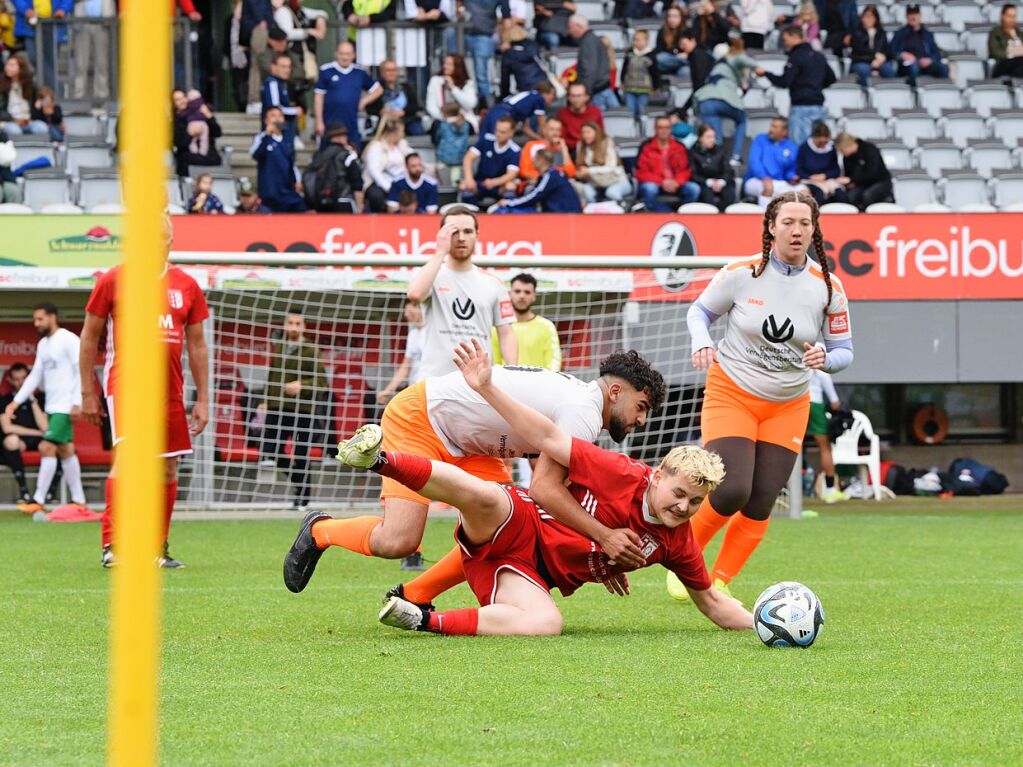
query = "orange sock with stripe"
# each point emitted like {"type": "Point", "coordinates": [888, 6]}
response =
{"type": "Point", "coordinates": [454, 622]}
{"type": "Point", "coordinates": [352, 534]}
{"type": "Point", "coordinates": [705, 523]}
{"type": "Point", "coordinates": [444, 575]}
{"type": "Point", "coordinates": [741, 539]}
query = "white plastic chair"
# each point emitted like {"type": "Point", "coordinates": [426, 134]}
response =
{"type": "Point", "coordinates": [840, 208]}
{"type": "Point", "coordinates": [743, 207]}
{"type": "Point", "coordinates": [845, 451]}
{"type": "Point", "coordinates": [697, 208]}
{"type": "Point", "coordinates": [885, 207]}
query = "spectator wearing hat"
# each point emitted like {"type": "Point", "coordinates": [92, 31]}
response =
{"type": "Point", "coordinates": [423, 187]}
{"type": "Point", "coordinates": [333, 181]}
{"type": "Point", "coordinates": [275, 164]}
{"type": "Point", "coordinates": [914, 50]}
{"type": "Point", "coordinates": [249, 199]}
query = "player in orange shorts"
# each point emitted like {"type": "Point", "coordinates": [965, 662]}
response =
{"type": "Point", "coordinates": [757, 399]}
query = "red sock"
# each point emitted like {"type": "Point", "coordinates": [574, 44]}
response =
{"type": "Point", "coordinates": [413, 471]}
{"type": "Point", "coordinates": [170, 494]}
{"type": "Point", "coordinates": [107, 521]}
{"type": "Point", "coordinates": [454, 622]}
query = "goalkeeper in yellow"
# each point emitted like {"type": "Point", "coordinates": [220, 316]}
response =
{"type": "Point", "coordinates": [539, 347]}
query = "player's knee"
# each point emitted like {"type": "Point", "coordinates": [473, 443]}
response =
{"type": "Point", "coordinates": [47, 449]}
{"type": "Point", "coordinates": [11, 442]}
{"type": "Point", "coordinates": [393, 544]}
{"type": "Point", "coordinates": [759, 506]}
{"type": "Point", "coordinates": [549, 624]}
{"type": "Point", "coordinates": [728, 499]}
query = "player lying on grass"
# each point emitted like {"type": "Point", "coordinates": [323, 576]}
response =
{"type": "Point", "coordinates": [513, 553]}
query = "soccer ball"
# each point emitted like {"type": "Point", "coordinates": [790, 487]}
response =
{"type": "Point", "coordinates": [788, 615]}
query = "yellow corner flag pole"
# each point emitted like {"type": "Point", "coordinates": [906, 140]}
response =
{"type": "Point", "coordinates": [135, 601]}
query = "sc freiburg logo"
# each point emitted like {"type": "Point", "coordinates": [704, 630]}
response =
{"type": "Point", "coordinates": [775, 333]}
{"type": "Point", "coordinates": [464, 310]}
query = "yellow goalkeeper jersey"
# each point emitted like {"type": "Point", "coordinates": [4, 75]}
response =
{"type": "Point", "coordinates": [538, 344]}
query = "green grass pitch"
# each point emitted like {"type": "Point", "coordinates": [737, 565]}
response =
{"type": "Point", "coordinates": [919, 662]}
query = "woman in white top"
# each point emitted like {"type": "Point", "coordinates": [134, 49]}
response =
{"type": "Point", "coordinates": [453, 84]}
{"type": "Point", "coordinates": [597, 169]}
{"type": "Point", "coordinates": [383, 162]}
{"type": "Point", "coordinates": [757, 20]}
{"type": "Point", "coordinates": [17, 92]}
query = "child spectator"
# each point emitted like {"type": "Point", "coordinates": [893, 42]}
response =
{"type": "Point", "coordinates": [452, 140]}
{"type": "Point", "coordinates": [195, 122]}
{"type": "Point", "coordinates": [203, 200]}
{"type": "Point", "coordinates": [47, 110]}
{"type": "Point", "coordinates": [639, 74]}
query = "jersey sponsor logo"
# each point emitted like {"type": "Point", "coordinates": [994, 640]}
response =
{"type": "Point", "coordinates": [464, 310]}
{"type": "Point", "coordinates": [175, 299]}
{"type": "Point", "coordinates": [673, 239]}
{"type": "Point", "coordinates": [506, 309]}
{"type": "Point", "coordinates": [775, 333]}
{"type": "Point", "coordinates": [838, 323]}
{"type": "Point", "coordinates": [166, 322]}
{"type": "Point", "coordinates": [650, 544]}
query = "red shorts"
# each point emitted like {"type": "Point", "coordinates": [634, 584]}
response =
{"type": "Point", "coordinates": [177, 440]}
{"type": "Point", "coordinates": [513, 547]}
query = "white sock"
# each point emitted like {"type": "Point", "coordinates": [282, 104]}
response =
{"type": "Point", "coordinates": [47, 468]}
{"type": "Point", "coordinates": [73, 476]}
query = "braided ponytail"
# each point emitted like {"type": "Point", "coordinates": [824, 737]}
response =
{"type": "Point", "coordinates": [818, 249]}
{"type": "Point", "coordinates": [766, 239]}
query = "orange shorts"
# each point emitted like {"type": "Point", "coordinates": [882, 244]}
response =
{"type": "Point", "coordinates": [408, 430]}
{"type": "Point", "coordinates": [730, 411]}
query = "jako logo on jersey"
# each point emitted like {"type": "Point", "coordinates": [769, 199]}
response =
{"type": "Point", "coordinates": [166, 322]}
{"type": "Point", "coordinates": [673, 239]}
{"type": "Point", "coordinates": [650, 544]}
{"type": "Point", "coordinates": [464, 310]}
{"type": "Point", "coordinates": [175, 299]}
{"type": "Point", "coordinates": [776, 333]}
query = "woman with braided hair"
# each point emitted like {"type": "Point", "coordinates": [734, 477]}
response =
{"type": "Point", "coordinates": [780, 304]}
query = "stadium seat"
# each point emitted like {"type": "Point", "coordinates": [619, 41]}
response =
{"type": "Point", "coordinates": [1007, 125]}
{"type": "Point", "coordinates": [107, 209]}
{"type": "Point", "coordinates": [843, 208]}
{"type": "Point", "coordinates": [947, 38]}
{"type": "Point", "coordinates": [959, 13]}
{"type": "Point", "coordinates": [87, 154]}
{"type": "Point", "coordinates": [29, 148]}
{"type": "Point", "coordinates": [174, 196]}
{"type": "Point", "coordinates": [913, 188]}
{"type": "Point", "coordinates": [758, 98]}
{"type": "Point", "coordinates": [897, 156]}
{"type": "Point", "coordinates": [782, 101]}
{"type": "Point", "coordinates": [846, 452]}
{"type": "Point", "coordinates": [935, 96]}
{"type": "Point", "coordinates": [697, 208]}
{"type": "Point", "coordinates": [758, 122]}
{"type": "Point", "coordinates": [628, 152]}
{"type": "Point", "coordinates": [966, 67]}
{"type": "Point", "coordinates": [959, 188]}
{"type": "Point", "coordinates": [985, 156]}
{"type": "Point", "coordinates": [743, 207]}
{"type": "Point", "coordinates": [885, 207]}
{"type": "Point", "coordinates": [931, 207]}
{"type": "Point", "coordinates": [865, 124]}
{"type": "Point", "coordinates": [61, 209]}
{"type": "Point", "coordinates": [1007, 188]}
{"type": "Point", "coordinates": [975, 39]}
{"type": "Point", "coordinates": [562, 58]}
{"type": "Point", "coordinates": [46, 187]}
{"type": "Point", "coordinates": [977, 207]}
{"type": "Point", "coordinates": [960, 127]}
{"type": "Point", "coordinates": [772, 62]}
{"type": "Point", "coordinates": [911, 125]}
{"type": "Point", "coordinates": [835, 63]}
{"type": "Point", "coordinates": [987, 95]}
{"type": "Point", "coordinates": [935, 155]}
{"type": "Point", "coordinates": [888, 95]}
{"type": "Point", "coordinates": [85, 125]}
{"type": "Point", "coordinates": [844, 96]}
{"type": "Point", "coordinates": [613, 31]}
{"type": "Point", "coordinates": [929, 12]}
{"type": "Point", "coordinates": [98, 186]}
{"type": "Point", "coordinates": [592, 11]}
{"type": "Point", "coordinates": [620, 123]}
{"type": "Point", "coordinates": [225, 188]}
{"type": "Point", "coordinates": [14, 209]}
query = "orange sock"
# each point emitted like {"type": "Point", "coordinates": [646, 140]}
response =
{"type": "Point", "coordinates": [352, 534]}
{"type": "Point", "coordinates": [705, 523]}
{"type": "Point", "coordinates": [444, 575]}
{"type": "Point", "coordinates": [741, 539]}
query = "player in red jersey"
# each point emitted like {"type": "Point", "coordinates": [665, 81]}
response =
{"type": "Point", "coordinates": [513, 553]}
{"type": "Point", "coordinates": [181, 326]}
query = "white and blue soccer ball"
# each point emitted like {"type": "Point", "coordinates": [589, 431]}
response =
{"type": "Point", "coordinates": [788, 615]}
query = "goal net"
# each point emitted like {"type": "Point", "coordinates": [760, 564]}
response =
{"type": "Point", "coordinates": [259, 454]}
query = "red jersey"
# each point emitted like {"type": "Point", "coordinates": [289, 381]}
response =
{"type": "Point", "coordinates": [186, 305]}
{"type": "Point", "coordinates": [611, 487]}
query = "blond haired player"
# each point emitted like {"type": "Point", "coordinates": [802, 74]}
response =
{"type": "Point", "coordinates": [514, 553]}
{"type": "Point", "coordinates": [757, 401]}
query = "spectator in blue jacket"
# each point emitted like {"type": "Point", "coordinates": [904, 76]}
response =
{"type": "Point", "coordinates": [275, 94]}
{"type": "Point", "coordinates": [526, 107]}
{"type": "Point", "coordinates": [498, 166]}
{"type": "Point", "coordinates": [553, 192]}
{"type": "Point", "coordinates": [817, 166]}
{"type": "Point", "coordinates": [913, 48]}
{"type": "Point", "coordinates": [806, 75]}
{"type": "Point", "coordinates": [772, 164]}
{"type": "Point", "coordinates": [26, 25]}
{"type": "Point", "coordinates": [275, 164]}
{"type": "Point", "coordinates": [423, 187]}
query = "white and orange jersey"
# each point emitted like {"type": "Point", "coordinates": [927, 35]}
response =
{"type": "Point", "coordinates": [769, 319]}
{"type": "Point", "coordinates": [468, 425]}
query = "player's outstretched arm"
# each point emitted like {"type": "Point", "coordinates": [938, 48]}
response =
{"type": "Point", "coordinates": [539, 430]}
{"type": "Point", "coordinates": [722, 609]}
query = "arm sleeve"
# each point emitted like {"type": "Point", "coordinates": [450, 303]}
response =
{"type": "Point", "coordinates": [101, 302]}
{"type": "Point", "coordinates": [286, 21]}
{"type": "Point", "coordinates": [32, 382]}
{"type": "Point", "coordinates": [321, 83]}
{"type": "Point", "coordinates": [699, 320]}
{"type": "Point", "coordinates": [838, 356]}
{"type": "Point", "coordinates": [784, 79]}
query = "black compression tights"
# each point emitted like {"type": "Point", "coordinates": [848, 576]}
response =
{"type": "Point", "coordinates": [755, 472]}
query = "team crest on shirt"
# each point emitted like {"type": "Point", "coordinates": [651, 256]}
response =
{"type": "Point", "coordinates": [175, 299]}
{"type": "Point", "coordinates": [650, 544]}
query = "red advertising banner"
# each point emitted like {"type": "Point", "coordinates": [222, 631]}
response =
{"type": "Point", "coordinates": [878, 257]}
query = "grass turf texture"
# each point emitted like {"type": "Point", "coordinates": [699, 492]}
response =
{"type": "Point", "coordinates": [918, 662]}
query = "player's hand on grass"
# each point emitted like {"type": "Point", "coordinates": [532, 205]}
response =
{"type": "Point", "coordinates": [618, 584]}
{"type": "Point", "coordinates": [623, 546]}
{"type": "Point", "coordinates": [200, 417]}
{"type": "Point", "coordinates": [474, 362]}
{"type": "Point", "coordinates": [91, 410]}
{"type": "Point", "coordinates": [814, 357]}
{"type": "Point", "coordinates": [704, 358]}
